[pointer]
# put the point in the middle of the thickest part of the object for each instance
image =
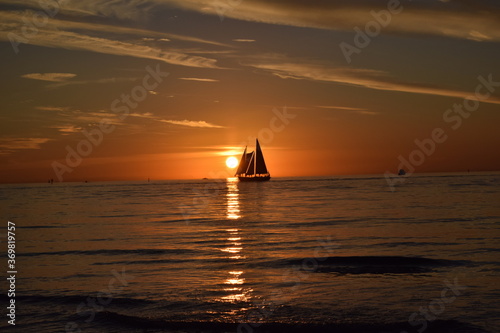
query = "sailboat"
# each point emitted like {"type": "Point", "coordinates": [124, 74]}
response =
{"type": "Point", "coordinates": [252, 166]}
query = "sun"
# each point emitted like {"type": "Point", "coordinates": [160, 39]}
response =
{"type": "Point", "coordinates": [232, 162]}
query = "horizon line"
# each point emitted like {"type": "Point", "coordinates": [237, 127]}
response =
{"type": "Point", "coordinates": [381, 175]}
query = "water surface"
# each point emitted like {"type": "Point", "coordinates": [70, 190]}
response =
{"type": "Point", "coordinates": [340, 254]}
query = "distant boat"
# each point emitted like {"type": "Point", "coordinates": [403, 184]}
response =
{"type": "Point", "coordinates": [401, 172]}
{"type": "Point", "coordinates": [252, 166]}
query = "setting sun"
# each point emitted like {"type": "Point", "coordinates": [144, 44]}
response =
{"type": "Point", "coordinates": [232, 162]}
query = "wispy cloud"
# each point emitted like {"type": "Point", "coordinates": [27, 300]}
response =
{"type": "Point", "coordinates": [51, 77]}
{"type": "Point", "coordinates": [191, 123]}
{"type": "Point", "coordinates": [70, 120]}
{"type": "Point", "coordinates": [77, 13]}
{"type": "Point", "coordinates": [366, 78]}
{"type": "Point", "coordinates": [53, 108]}
{"type": "Point", "coordinates": [475, 20]}
{"type": "Point", "coordinates": [112, 80]}
{"type": "Point", "coordinates": [93, 118]}
{"type": "Point", "coordinates": [147, 115]}
{"type": "Point", "coordinates": [150, 39]}
{"type": "Point", "coordinates": [53, 35]}
{"type": "Point", "coordinates": [197, 79]}
{"type": "Point", "coordinates": [243, 40]}
{"type": "Point", "coordinates": [334, 107]}
{"type": "Point", "coordinates": [464, 19]}
{"type": "Point", "coordinates": [67, 129]}
{"type": "Point", "coordinates": [10, 145]}
{"type": "Point", "coordinates": [188, 123]}
{"type": "Point", "coordinates": [348, 109]}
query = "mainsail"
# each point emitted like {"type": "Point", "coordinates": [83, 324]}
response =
{"type": "Point", "coordinates": [252, 165]}
{"type": "Point", "coordinates": [260, 165]}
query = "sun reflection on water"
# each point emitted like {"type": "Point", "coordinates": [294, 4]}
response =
{"type": "Point", "coordinates": [233, 200]}
{"type": "Point", "coordinates": [234, 284]}
{"type": "Point", "coordinates": [235, 288]}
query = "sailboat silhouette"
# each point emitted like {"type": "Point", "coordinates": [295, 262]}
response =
{"type": "Point", "coordinates": [252, 166]}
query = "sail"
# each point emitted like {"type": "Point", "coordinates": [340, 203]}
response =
{"type": "Point", "coordinates": [242, 167]}
{"type": "Point", "coordinates": [251, 165]}
{"type": "Point", "coordinates": [260, 165]}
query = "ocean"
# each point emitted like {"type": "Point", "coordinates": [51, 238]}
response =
{"type": "Point", "coordinates": [316, 254]}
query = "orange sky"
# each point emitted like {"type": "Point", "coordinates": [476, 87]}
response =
{"type": "Point", "coordinates": [182, 86]}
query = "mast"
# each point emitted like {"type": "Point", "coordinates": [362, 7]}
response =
{"type": "Point", "coordinates": [255, 164]}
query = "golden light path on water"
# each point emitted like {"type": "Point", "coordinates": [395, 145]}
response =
{"type": "Point", "coordinates": [233, 199]}
{"type": "Point", "coordinates": [234, 282]}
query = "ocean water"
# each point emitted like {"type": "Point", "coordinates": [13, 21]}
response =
{"type": "Point", "coordinates": [330, 254]}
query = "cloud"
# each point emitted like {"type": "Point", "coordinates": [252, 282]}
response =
{"type": "Point", "coordinates": [348, 109]}
{"type": "Point", "coordinates": [339, 108]}
{"type": "Point", "coordinates": [70, 120]}
{"type": "Point", "coordinates": [150, 39]}
{"type": "Point", "coordinates": [366, 78]}
{"type": "Point", "coordinates": [464, 19]}
{"type": "Point", "coordinates": [51, 77]}
{"type": "Point", "coordinates": [9, 145]}
{"type": "Point", "coordinates": [67, 129]}
{"type": "Point", "coordinates": [53, 108]}
{"type": "Point", "coordinates": [475, 20]}
{"type": "Point", "coordinates": [112, 80]}
{"type": "Point", "coordinates": [63, 79]}
{"type": "Point", "coordinates": [93, 118]}
{"type": "Point", "coordinates": [11, 21]}
{"type": "Point", "coordinates": [191, 123]}
{"type": "Point", "coordinates": [188, 123]}
{"type": "Point", "coordinates": [242, 40]}
{"type": "Point", "coordinates": [197, 79]}
{"type": "Point", "coordinates": [147, 115]}
{"type": "Point", "coordinates": [53, 35]}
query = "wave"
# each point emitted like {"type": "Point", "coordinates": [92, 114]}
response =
{"type": "Point", "coordinates": [75, 300]}
{"type": "Point", "coordinates": [163, 261]}
{"type": "Point", "coordinates": [111, 252]}
{"type": "Point", "coordinates": [148, 315]}
{"type": "Point", "coordinates": [415, 244]}
{"type": "Point", "coordinates": [369, 264]}
{"type": "Point", "coordinates": [122, 321]}
{"type": "Point", "coordinates": [41, 226]}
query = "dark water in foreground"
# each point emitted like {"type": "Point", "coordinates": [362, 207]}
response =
{"type": "Point", "coordinates": [293, 254]}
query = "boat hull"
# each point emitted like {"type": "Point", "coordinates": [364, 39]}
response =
{"type": "Point", "coordinates": [254, 179]}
